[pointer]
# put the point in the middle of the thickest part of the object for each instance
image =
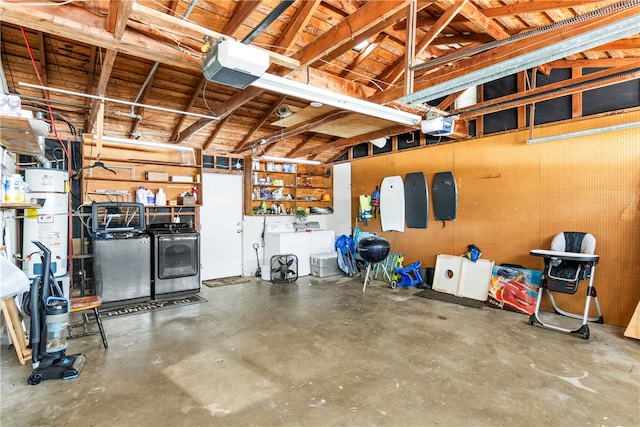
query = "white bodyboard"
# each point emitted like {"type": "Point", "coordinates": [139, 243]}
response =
{"type": "Point", "coordinates": [392, 204]}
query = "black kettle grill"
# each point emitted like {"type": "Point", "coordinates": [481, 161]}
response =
{"type": "Point", "coordinates": [373, 249]}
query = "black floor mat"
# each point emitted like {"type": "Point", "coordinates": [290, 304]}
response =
{"type": "Point", "coordinates": [145, 307]}
{"type": "Point", "coordinates": [441, 296]}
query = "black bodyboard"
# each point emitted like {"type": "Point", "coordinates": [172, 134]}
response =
{"type": "Point", "coordinates": [445, 196]}
{"type": "Point", "coordinates": [416, 200]}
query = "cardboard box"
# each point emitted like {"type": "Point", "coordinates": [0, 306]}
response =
{"type": "Point", "coordinates": [157, 176]}
{"type": "Point", "coordinates": [187, 200]}
{"type": "Point", "coordinates": [514, 289]}
{"type": "Point", "coordinates": [323, 265]}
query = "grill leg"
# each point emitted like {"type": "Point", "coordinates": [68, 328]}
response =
{"type": "Point", "coordinates": [366, 277]}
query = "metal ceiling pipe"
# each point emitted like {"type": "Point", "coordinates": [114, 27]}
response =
{"type": "Point", "coordinates": [275, 13]}
{"type": "Point", "coordinates": [155, 66]}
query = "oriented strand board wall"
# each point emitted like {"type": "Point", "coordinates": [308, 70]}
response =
{"type": "Point", "coordinates": [515, 197]}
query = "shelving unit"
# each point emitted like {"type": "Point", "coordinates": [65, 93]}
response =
{"type": "Point", "coordinates": [127, 167]}
{"type": "Point", "coordinates": [281, 188]}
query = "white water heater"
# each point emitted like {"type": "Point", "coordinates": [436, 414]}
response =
{"type": "Point", "coordinates": [48, 224]}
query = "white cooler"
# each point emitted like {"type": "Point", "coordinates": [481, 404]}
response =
{"type": "Point", "coordinates": [323, 265]}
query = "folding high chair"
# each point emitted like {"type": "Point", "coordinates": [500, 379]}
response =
{"type": "Point", "coordinates": [570, 261]}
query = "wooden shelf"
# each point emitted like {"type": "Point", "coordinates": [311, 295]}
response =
{"type": "Point", "coordinates": [16, 205]}
{"type": "Point", "coordinates": [131, 165]}
{"type": "Point", "coordinates": [294, 184]}
{"type": "Point", "coordinates": [17, 136]}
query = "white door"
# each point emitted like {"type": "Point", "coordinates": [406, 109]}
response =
{"type": "Point", "coordinates": [221, 226]}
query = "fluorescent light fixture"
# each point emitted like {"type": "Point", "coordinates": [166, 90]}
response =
{"type": "Point", "coordinates": [605, 34]}
{"type": "Point", "coordinates": [151, 144]}
{"type": "Point", "coordinates": [316, 94]}
{"type": "Point", "coordinates": [284, 159]}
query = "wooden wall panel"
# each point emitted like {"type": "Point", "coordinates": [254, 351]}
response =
{"type": "Point", "coordinates": [515, 197]}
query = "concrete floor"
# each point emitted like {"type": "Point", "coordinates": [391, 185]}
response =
{"type": "Point", "coordinates": [320, 352]}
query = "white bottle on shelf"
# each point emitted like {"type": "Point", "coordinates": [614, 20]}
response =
{"type": "Point", "coordinates": [141, 195]}
{"type": "Point", "coordinates": [161, 198]}
{"type": "Point", "coordinates": [151, 198]}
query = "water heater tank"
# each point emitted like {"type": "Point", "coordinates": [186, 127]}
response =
{"type": "Point", "coordinates": [48, 224]}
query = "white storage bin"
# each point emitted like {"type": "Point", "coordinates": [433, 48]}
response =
{"type": "Point", "coordinates": [323, 265]}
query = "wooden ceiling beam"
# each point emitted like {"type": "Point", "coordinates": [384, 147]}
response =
{"type": "Point", "coordinates": [42, 54]}
{"type": "Point", "coordinates": [173, 6]}
{"type": "Point", "coordinates": [239, 15]}
{"type": "Point", "coordinates": [199, 124]}
{"type": "Point", "coordinates": [142, 100]}
{"type": "Point", "coordinates": [112, 18]}
{"type": "Point", "coordinates": [593, 63]}
{"type": "Point", "coordinates": [503, 53]}
{"type": "Point", "coordinates": [80, 25]}
{"type": "Point", "coordinates": [350, 142]}
{"type": "Point", "coordinates": [449, 100]}
{"type": "Point", "coordinates": [300, 146]}
{"type": "Point", "coordinates": [352, 30]}
{"type": "Point", "coordinates": [215, 132]}
{"type": "Point", "coordinates": [302, 127]}
{"type": "Point", "coordinates": [532, 7]}
{"type": "Point", "coordinates": [425, 23]}
{"type": "Point", "coordinates": [180, 26]}
{"type": "Point", "coordinates": [463, 39]}
{"type": "Point", "coordinates": [244, 144]}
{"type": "Point", "coordinates": [355, 41]}
{"type": "Point", "coordinates": [487, 25]}
{"type": "Point", "coordinates": [91, 72]}
{"type": "Point", "coordinates": [195, 94]}
{"type": "Point", "coordinates": [119, 24]}
{"type": "Point", "coordinates": [325, 80]}
{"type": "Point", "coordinates": [159, 36]}
{"type": "Point", "coordinates": [395, 70]}
{"type": "Point", "coordinates": [364, 54]}
{"type": "Point", "coordinates": [296, 26]}
{"type": "Point", "coordinates": [223, 110]}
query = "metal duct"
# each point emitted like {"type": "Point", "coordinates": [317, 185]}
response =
{"type": "Point", "coordinates": [464, 53]}
{"type": "Point", "coordinates": [608, 33]}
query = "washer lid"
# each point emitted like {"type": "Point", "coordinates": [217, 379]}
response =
{"type": "Point", "coordinates": [280, 227]}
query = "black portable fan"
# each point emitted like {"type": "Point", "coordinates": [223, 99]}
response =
{"type": "Point", "coordinates": [284, 268]}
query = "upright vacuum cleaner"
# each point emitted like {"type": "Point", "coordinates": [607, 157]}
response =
{"type": "Point", "coordinates": [49, 309]}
